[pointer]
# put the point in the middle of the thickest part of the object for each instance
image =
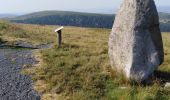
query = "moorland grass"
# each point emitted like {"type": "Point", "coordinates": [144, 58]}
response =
{"type": "Point", "coordinates": [80, 69]}
{"type": "Point", "coordinates": [33, 34]}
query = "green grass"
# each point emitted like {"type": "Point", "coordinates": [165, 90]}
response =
{"type": "Point", "coordinates": [33, 34]}
{"type": "Point", "coordinates": [166, 65]}
{"type": "Point", "coordinates": [80, 70]}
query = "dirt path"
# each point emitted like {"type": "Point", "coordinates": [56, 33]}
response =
{"type": "Point", "coordinates": [13, 84]}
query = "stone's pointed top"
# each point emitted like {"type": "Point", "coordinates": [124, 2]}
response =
{"type": "Point", "coordinates": [59, 29]}
{"type": "Point", "coordinates": [135, 44]}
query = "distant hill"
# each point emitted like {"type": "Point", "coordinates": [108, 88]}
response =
{"type": "Point", "coordinates": [7, 15]}
{"type": "Point", "coordinates": [67, 18]}
{"type": "Point", "coordinates": [164, 21]}
{"type": "Point", "coordinates": [164, 17]}
{"type": "Point", "coordinates": [164, 9]}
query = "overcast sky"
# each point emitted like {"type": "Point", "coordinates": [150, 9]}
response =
{"type": "Point", "coordinates": [26, 6]}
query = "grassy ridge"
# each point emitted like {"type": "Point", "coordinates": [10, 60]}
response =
{"type": "Point", "coordinates": [80, 70]}
{"type": "Point", "coordinates": [30, 33]}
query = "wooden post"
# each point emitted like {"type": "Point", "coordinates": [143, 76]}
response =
{"type": "Point", "coordinates": [59, 31]}
{"type": "Point", "coordinates": [59, 38]}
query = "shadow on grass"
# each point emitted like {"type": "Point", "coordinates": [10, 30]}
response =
{"type": "Point", "coordinates": [158, 76]}
{"type": "Point", "coordinates": [2, 41]}
{"type": "Point", "coordinates": [2, 46]}
{"type": "Point", "coordinates": [162, 76]}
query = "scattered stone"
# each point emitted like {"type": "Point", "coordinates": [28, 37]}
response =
{"type": "Point", "coordinates": [135, 43]}
{"type": "Point", "coordinates": [13, 84]}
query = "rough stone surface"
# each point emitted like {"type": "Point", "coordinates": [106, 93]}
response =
{"type": "Point", "coordinates": [135, 43]}
{"type": "Point", "coordinates": [13, 84]}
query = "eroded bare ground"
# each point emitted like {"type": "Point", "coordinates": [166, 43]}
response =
{"type": "Point", "coordinates": [13, 84]}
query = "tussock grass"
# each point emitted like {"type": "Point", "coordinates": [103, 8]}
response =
{"type": "Point", "coordinates": [166, 65]}
{"type": "Point", "coordinates": [80, 70]}
{"type": "Point", "coordinates": [34, 34]}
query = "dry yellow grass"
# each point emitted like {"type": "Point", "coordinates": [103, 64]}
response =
{"type": "Point", "coordinates": [80, 70]}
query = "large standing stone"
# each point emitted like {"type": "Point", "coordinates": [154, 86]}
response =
{"type": "Point", "coordinates": [135, 44]}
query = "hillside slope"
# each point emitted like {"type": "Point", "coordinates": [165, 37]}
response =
{"type": "Point", "coordinates": [79, 19]}
{"type": "Point", "coordinates": [164, 21]}
{"type": "Point", "coordinates": [67, 19]}
{"type": "Point", "coordinates": [7, 15]}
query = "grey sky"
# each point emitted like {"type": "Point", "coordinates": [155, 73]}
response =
{"type": "Point", "coordinates": [24, 6]}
